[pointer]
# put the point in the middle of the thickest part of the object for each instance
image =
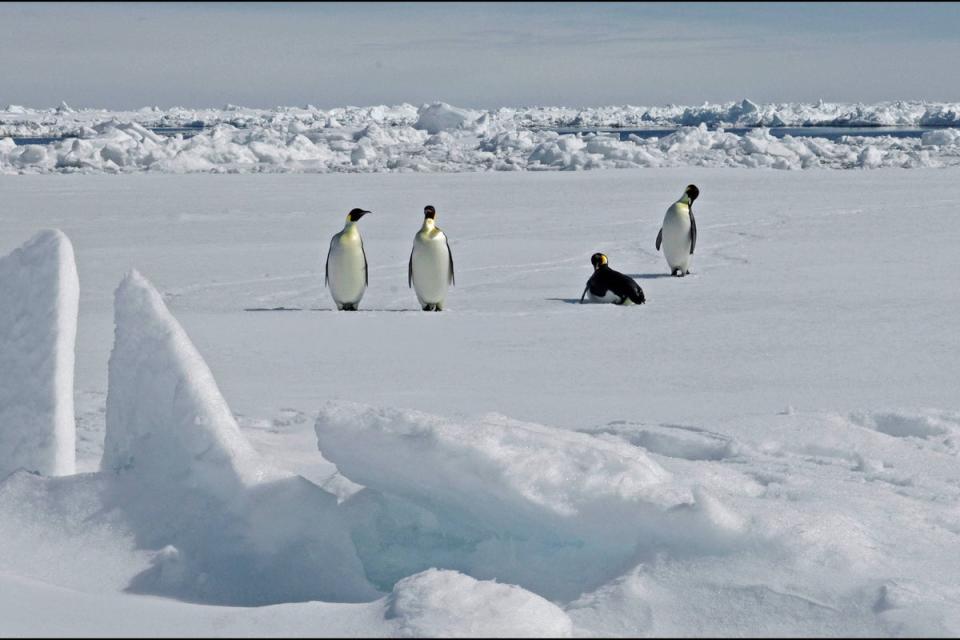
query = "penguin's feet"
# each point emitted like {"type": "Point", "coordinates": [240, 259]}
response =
{"type": "Point", "coordinates": [348, 307]}
{"type": "Point", "coordinates": [678, 273]}
{"type": "Point", "coordinates": [429, 307]}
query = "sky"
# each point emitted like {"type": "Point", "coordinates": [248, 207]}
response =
{"type": "Point", "coordinates": [481, 55]}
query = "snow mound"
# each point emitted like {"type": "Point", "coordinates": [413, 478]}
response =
{"type": "Point", "coordinates": [440, 116]}
{"type": "Point", "coordinates": [227, 527]}
{"type": "Point", "coordinates": [554, 511]}
{"type": "Point", "coordinates": [39, 297]}
{"type": "Point", "coordinates": [449, 604]}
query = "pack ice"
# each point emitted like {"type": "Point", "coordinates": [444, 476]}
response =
{"type": "Point", "coordinates": [184, 507]}
{"type": "Point", "coordinates": [439, 137]}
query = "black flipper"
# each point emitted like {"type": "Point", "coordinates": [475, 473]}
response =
{"type": "Point", "coordinates": [326, 267]}
{"type": "Point", "coordinates": [450, 254]}
{"type": "Point", "coordinates": [410, 271]}
{"type": "Point", "coordinates": [366, 271]}
{"type": "Point", "coordinates": [584, 294]}
{"type": "Point", "coordinates": [693, 232]}
{"type": "Point", "coordinates": [659, 238]}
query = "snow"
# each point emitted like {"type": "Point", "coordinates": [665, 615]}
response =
{"type": "Point", "coordinates": [39, 294]}
{"type": "Point", "coordinates": [164, 410]}
{"type": "Point", "coordinates": [449, 604]}
{"type": "Point", "coordinates": [434, 603]}
{"type": "Point", "coordinates": [172, 446]}
{"type": "Point", "coordinates": [768, 446]}
{"type": "Point", "coordinates": [555, 511]}
{"type": "Point", "coordinates": [441, 116]}
{"type": "Point", "coordinates": [439, 137]}
{"type": "Point", "coordinates": [25, 121]}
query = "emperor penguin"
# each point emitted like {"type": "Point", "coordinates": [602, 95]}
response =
{"type": "Point", "coordinates": [679, 233]}
{"type": "Point", "coordinates": [607, 285]}
{"type": "Point", "coordinates": [346, 269]}
{"type": "Point", "coordinates": [430, 270]}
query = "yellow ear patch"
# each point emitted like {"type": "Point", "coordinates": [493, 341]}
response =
{"type": "Point", "coordinates": [603, 259]}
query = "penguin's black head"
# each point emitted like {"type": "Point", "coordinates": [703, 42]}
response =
{"type": "Point", "coordinates": [356, 214]}
{"type": "Point", "coordinates": [692, 192]}
{"type": "Point", "coordinates": [598, 260]}
{"type": "Point", "coordinates": [429, 212]}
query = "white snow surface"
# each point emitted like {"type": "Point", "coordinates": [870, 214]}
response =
{"type": "Point", "coordinates": [439, 137]}
{"type": "Point", "coordinates": [39, 297]}
{"type": "Point", "coordinates": [769, 446]}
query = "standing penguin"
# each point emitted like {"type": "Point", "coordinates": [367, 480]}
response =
{"type": "Point", "coordinates": [607, 285]}
{"type": "Point", "coordinates": [679, 233]}
{"type": "Point", "coordinates": [346, 269]}
{"type": "Point", "coordinates": [430, 270]}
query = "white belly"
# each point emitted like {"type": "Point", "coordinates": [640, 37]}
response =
{"type": "Point", "coordinates": [431, 268]}
{"type": "Point", "coordinates": [345, 271]}
{"type": "Point", "coordinates": [676, 237]}
{"type": "Point", "coordinates": [609, 296]}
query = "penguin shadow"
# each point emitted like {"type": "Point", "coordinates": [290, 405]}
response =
{"type": "Point", "coordinates": [327, 309]}
{"type": "Point", "coordinates": [650, 276]}
{"type": "Point", "coordinates": [585, 301]}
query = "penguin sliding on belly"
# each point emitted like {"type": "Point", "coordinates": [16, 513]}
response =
{"type": "Point", "coordinates": [430, 271]}
{"type": "Point", "coordinates": [607, 285]}
{"type": "Point", "coordinates": [679, 233]}
{"type": "Point", "coordinates": [346, 269]}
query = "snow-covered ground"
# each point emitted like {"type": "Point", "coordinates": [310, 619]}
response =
{"type": "Point", "coordinates": [768, 446]}
{"type": "Point", "coordinates": [443, 138]}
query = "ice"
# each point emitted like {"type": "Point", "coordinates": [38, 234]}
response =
{"type": "Point", "coordinates": [439, 137]}
{"type": "Point", "coordinates": [164, 411]}
{"type": "Point", "coordinates": [513, 501]}
{"type": "Point", "coordinates": [229, 528]}
{"type": "Point", "coordinates": [431, 604]}
{"type": "Point", "coordinates": [904, 425]}
{"type": "Point", "coordinates": [449, 604]}
{"type": "Point", "coordinates": [941, 137]}
{"type": "Point", "coordinates": [39, 298]}
{"type": "Point", "coordinates": [792, 402]}
{"type": "Point", "coordinates": [441, 116]}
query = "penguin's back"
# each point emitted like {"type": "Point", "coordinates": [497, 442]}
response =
{"type": "Point", "coordinates": [607, 285]}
